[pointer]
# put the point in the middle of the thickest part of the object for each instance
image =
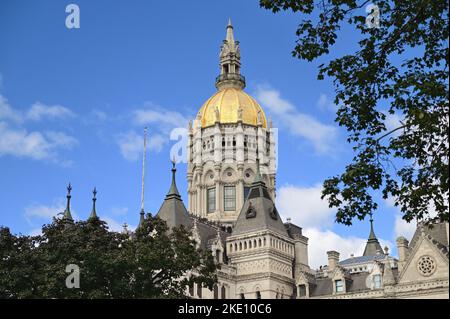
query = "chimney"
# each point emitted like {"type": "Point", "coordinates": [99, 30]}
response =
{"type": "Point", "coordinates": [333, 260]}
{"type": "Point", "coordinates": [402, 247]}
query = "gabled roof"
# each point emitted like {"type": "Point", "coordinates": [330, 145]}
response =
{"type": "Point", "coordinates": [259, 211]}
{"type": "Point", "coordinates": [436, 231]}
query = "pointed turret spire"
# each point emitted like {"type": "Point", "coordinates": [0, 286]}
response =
{"type": "Point", "coordinates": [173, 211]}
{"type": "Point", "coordinates": [230, 63]}
{"type": "Point", "coordinates": [67, 215]}
{"type": "Point", "coordinates": [259, 211]}
{"type": "Point", "coordinates": [230, 35]}
{"type": "Point", "coordinates": [173, 191]}
{"type": "Point", "coordinates": [373, 245]}
{"type": "Point", "coordinates": [258, 177]}
{"type": "Point", "coordinates": [94, 199]}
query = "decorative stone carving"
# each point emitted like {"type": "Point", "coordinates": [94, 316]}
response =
{"type": "Point", "coordinates": [426, 266]}
{"type": "Point", "coordinates": [239, 113]}
{"type": "Point", "coordinates": [274, 213]}
{"type": "Point", "coordinates": [251, 211]}
{"type": "Point", "coordinates": [217, 112]}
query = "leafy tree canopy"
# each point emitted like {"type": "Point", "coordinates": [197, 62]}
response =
{"type": "Point", "coordinates": [400, 69]}
{"type": "Point", "coordinates": [152, 263]}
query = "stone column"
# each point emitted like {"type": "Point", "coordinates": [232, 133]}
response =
{"type": "Point", "coordinates": [217, 144]}
{"type": "Point", "coordinates": [402, 247]}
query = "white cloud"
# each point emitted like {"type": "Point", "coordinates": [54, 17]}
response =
{"type": "Point", "coordinates": [322, 241]}
{"type": "Point", "coordinates": [160, 122]}
{"type": "Point", "coordinates": [324, 103]}
{"type": "Point", "coordinates": [304, 206]}
{"type": "Point", "coordinates": [7, 112]}
{"type": "Point", "coordinates": [42, 212]}
{"type": "Point", "coordinates": [164, 119]}
{"type": "Point", "coordinates": [402, 227]}
{"type": "Point", "coordinates": [61, 139]}
{"type": "Point", "coordinates": [115, 225]}
{"type": "Point", "coordinates": [16, 140]}
{"type": "Point", "coordinates": [131, 144]}
{"type": "Point", "coordinates": [35, 232]}
{"type": "Point", "coordinates": [39, 111]}
{"type": "Point", "coordinates": [392, 122]}
{"type": "Point", "coordinates": [36, 145]}
{"type": "Point", "coordinates": [99, 115]}
{"type": "Point", "coordinates": [320, 135]}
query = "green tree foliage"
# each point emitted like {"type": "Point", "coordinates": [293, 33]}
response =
{"type": "Point", "coordinates": [152, 263]}
{"type": "Point", "coordinates": [399, 69]}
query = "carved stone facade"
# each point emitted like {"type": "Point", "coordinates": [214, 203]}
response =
{"type": "Point", "coordinates": [231, 211]}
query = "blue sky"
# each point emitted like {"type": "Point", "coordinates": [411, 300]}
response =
{"type": "Point", "coordinates": [73, 103]}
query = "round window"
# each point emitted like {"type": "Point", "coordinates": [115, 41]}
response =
{"type": "Point", "coordinates": [426, 266]}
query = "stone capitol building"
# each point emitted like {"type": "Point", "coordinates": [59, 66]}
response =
{"type": "Point", "coordinates": [231, 178]}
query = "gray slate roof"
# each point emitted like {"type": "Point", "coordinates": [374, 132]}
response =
{"type": "Point", "coordinates": [265, 215]}
{"type": "Point", "coordinates": [373, 245]}
{"type": "Point", "coordinates": [361, 259]}
{"type": "Point", "coordinates": [172, 209]}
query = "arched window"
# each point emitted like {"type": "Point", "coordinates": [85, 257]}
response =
{"type": "Point", "coordinates": [242, 295]}
{"type": "Point", "coordinates": [216, 292]}
{"type": "Point", "coordinates": [245, 245]}
{"type": "Point", "coordinates": [218, 252]}
{"type": "Point", "coordinates": [223, 293]}
{"type": "Point", "coordinates": [199, 290]}
{"type": "Point", "coordinates": [258, 295]}
{"type": "Point", "coordinates": [191, 288]}
{"type": "Point", "coordinates": [229, 200]}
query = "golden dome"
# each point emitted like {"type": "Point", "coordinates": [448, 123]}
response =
{"type": "Point", "coordinates": [228, 102]}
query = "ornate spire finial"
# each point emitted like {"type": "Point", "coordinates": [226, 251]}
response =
{"type": "Point", "coordinates": [67, 215]}
{"type": "Point", "coordinates": [373, 245]}
{"type": "Point", "coordinates": [230, 63]}
{"type": "Point", "coordinates": [372, 233]}
{"type": "Point", "coordinates": [94, 199]}
{"type": "Point", "coordinates": [173, 191]}
{"type": "Point", "coordinates": [125, 228]}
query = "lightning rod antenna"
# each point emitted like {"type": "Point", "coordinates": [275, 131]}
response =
{"type": "Point", "coordinates": [143, 169]}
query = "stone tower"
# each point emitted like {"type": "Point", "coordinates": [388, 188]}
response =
{"type": "Point", "coordinates": [261, 249]}
{"type": "Point", "coordinates": [224, 139]}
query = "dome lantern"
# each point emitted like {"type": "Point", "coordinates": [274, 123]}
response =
{"type": "Point", "coordinates": [230, 63]}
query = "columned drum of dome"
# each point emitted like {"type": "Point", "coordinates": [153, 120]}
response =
{"type": "Point", "coordinates": [228, 134]}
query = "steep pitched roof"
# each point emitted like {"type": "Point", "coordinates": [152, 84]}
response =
{"type": "Point", "coordinates": [172, 210]}
{"type": "Point", "coordinates": [259, 211]}
{"type": "Point", "coordinates": [373, 245]}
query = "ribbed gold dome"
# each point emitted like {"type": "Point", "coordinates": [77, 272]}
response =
{"type": "Point", "coordinates": [228, 102]}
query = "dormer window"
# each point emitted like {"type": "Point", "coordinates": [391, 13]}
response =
{"type": "Point", "coordinates": [377, 281]}
{"type": "Point", "coordinates": [339, 286]}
